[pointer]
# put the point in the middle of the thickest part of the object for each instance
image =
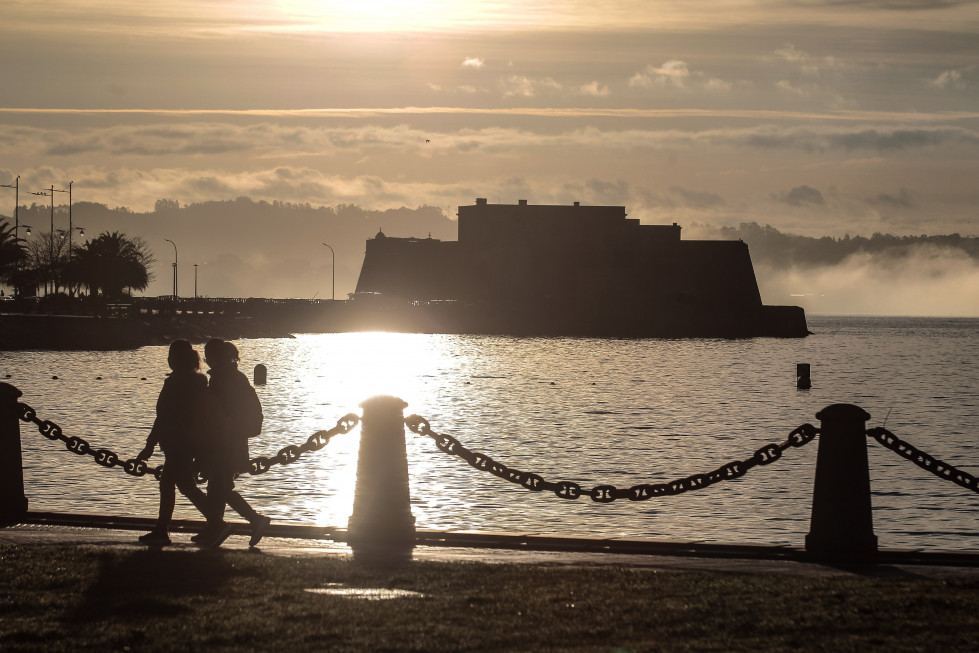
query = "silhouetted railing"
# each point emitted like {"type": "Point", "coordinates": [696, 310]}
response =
{"type": "Point", "coordinates": [841, 526]}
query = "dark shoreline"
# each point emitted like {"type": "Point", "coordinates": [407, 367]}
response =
{"type": "Point", "coordinates": [76, 332]}
{"type": "Point", "coordinates": [139, 327]}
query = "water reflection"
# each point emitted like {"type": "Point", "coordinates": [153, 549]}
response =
{"type": "Point", "coordinates": [590, 411]}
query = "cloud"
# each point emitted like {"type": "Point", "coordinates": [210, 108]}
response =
{"type": "Point", "coordinates": [801, 196]}
{"type": "Point", "coordinates": [902, 200]}
{"type": "Point", "coordinates": [671, 73]}
{"type": "Point", "coordinates": [788, 87]}
{"type": "Point", "coordinates": [473, 62]}
{"type": "Point", "coordinates": [523, 86]}
{"type": "Point", "coordinates": [805, 63]}
{"type": "Point", "coordinates": [697, 199]}
{"type": "Point", "coordinates": [949, 79]}
{"type": "Point", "coordinates": [714, 84]}
{"type": "Point", "coordinates": [880, 140]}
{"type": "Point", "coordinates": [893, 5]}
{"type": "Point", "coordinates": [202, 142]}
{"type": "Point", "coordinates": [607, 193]}
{"type": "Point", "coordinates": [467, 89]}
{"type": "Point", "coordinates": [593, 89]}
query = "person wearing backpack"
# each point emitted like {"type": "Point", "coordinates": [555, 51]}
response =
{"type": "Point", "coordinates": [173, 430]}
{"type": "Point", "coordinates": [233, 415]}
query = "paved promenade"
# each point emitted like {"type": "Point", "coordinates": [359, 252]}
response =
{"type": "Point", "coordinates": [512, 548]}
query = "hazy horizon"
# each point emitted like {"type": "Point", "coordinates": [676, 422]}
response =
{"type": "Point", "coordinates": [246, 248]}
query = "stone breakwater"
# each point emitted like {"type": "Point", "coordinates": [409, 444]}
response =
{"type": "Point", "coordinates": [73, 332]}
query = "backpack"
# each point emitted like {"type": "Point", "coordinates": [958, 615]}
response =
{"type": "Point", "coordinates": [250, 415]}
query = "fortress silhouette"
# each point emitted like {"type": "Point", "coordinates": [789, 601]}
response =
{"type": "Point", "coordinates": [575, 270]}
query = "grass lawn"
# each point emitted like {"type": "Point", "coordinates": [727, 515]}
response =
{"type": "Point", "coordinates": [73, 598]}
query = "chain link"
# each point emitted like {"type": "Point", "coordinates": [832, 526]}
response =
{"type": "Point", "coordinates": [923, 460]}
{"type": "Point", "coordinates": [290, 454]}
{"type": "Point", "coordinates": [608, 493]}
{"type": "Point", "coordinates": [136, 467]}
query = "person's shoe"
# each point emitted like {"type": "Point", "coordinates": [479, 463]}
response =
{"type": "Point", "coordinates": [155, 538]}
{"type": "Point", "coordinates": [218, 537]}
{"type": "Point", "coordinates": [206, 533]}
{"type": "Point", "coordinates": [258, 529]}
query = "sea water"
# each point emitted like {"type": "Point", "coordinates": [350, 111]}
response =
{"type": "Point", "coordinates": [591, 411]}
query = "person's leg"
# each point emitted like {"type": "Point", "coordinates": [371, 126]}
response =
{"type": "Point", "coordinates": [220, 484]}
{"type": "Point", "coordinates": [240, 506]}
{"type": "Point", "coordinates": [258, 521]}
{"type": "Point", "coordinates": [159, 534]}
{"type": "Point", "coordinates": [168, 499]}
{"type": "Point", "coordinates": [188, 488]}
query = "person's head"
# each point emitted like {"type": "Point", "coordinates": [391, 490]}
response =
{"type": "Point", "coordinates": [183, 357]}
{"type": "Point", "coordinates": [230, 352]}
{"type": "Point", "coordinates": [214, 352]}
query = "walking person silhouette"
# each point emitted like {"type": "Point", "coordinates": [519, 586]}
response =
{"type": "Point", "coordinates": [233, 414]}
{"type": "Point", "coordinates": [174, 431]}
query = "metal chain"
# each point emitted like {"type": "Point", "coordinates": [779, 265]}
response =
{"type": "Point", "coordinates": [136, 467]}
{"type": "Point", "coordinates": [923, 460]}
{"type": "Point", "coordinates": [290, 454]}
{"type": "Point", "coordinates": [608, 493]}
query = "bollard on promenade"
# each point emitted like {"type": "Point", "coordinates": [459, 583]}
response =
{"type": "Point", "coordinates": [841, 528]}
{"type": "Point", "coordinates": [13, 501]}
{"type": "Point", "coordinates": [382, 528]}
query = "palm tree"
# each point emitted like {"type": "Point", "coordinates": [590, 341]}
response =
{"type": "Point", "coordinates": [112, 263]}
{"type": "Point", "coordinates": [11, 254]}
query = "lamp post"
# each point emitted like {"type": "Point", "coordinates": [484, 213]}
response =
{"type": "Point", "coordinates": [51, 235]}
{"type": "Point", "coordinates": [70, 229]}
{"type": "Point", "coordinates": [333, 272]}
{"type": "Point", "coordinates": [174, 266]}
{"type": "Point", "coordinates": [195, 281]}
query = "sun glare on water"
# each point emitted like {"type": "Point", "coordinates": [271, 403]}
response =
{"type": "Point", "coordinates": [331, 375]}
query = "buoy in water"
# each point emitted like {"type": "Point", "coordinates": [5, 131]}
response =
{"type": "Point", "coordinates": [803, 381]}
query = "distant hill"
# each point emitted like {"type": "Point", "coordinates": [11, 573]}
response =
{"type": "Point", "coordinates": [245, 248]}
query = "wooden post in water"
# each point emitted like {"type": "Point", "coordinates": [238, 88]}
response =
{"type": "Point", "coordinates": [841, 527]}
{"type": "Point", "coordinates": [382, 528]}
{"type": "Point", "coordinates": [13, 501]}
{"type": "Point", "coordinates": [261, 375]}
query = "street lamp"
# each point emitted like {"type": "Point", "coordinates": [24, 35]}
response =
{"type": "Point", "coordinates": [70, 228]}
{"type": "Point", "coordinates": [174, 266]}
{"type": "Point", "coordinates": [195, 281]}
{"type": "Point", "coordinates": [333, 272]}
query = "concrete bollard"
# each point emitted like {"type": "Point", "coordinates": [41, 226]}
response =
{"type": "Point", "coordinates": [13, 501]}
{"type": "Point", "coordinates": [382, 528]}
{"type": "Point", "coordinates": [841, 528]}
{"type": "Point", "coordinates": [261, 375]}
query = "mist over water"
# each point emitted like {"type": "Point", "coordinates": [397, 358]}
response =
{"type": "Point", "coordinates": [591, 411]}
{"type": "Point", "coordinates": [928, 280]}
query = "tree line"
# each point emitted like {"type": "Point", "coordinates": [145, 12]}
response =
{"type": "Point", "coordinates": [109, 266]}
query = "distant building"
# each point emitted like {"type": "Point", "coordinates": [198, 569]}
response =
{"type": "Point", "coordinates": [576, 269]}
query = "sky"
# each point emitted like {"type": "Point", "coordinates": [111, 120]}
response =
{"type": "Point", "coordinates": [818, 117]}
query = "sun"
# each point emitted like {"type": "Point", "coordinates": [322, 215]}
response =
{"type": "Point", "coordinates": [380, 15]}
